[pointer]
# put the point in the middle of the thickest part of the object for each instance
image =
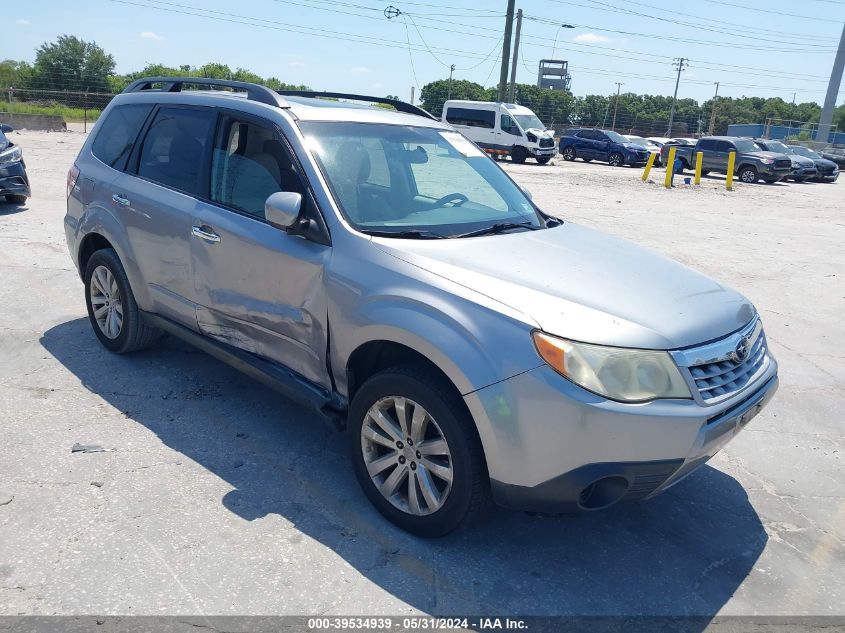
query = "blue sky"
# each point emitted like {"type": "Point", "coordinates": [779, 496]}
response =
{"type": "Point", "coordinates": [776, 48]}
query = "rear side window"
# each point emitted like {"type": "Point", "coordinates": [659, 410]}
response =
{"type": "Point", "coordinates": [173, 150]}
{"type": "Point", "coordinates": [117, 133]}
{"type": "Point", "coordinates": [725, 146]}
{"type": "Point", "coordinates": [471, 118]}
{"type": "Point", "coordinates": [707, 144]}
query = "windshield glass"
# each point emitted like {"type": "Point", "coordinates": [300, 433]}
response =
{"type": "Point", "coordinates": [391, 178]}
{"type": "Point", "coordinates": [639, 140]}
{"type": "Point", "coordinates": [746, 145]}
{"type": "Point", "coordinates": [803, 151]}
{"type": "Point", "coordinates": [776, 146]}
{"type": "Point", "coordinates": [615, 136]}
{"type": "Point", "coordinates": [528, 121]}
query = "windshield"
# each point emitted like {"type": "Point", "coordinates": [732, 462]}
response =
{"type": "Point", "coordinates": [395, 179]}
{"type": "Point", "coordinates": [528, 121]}
{"type": "Point", "coordinates": [615, 136]}
{"type": "Point", "coordinates": [639, 140]}
{"type": "Point", "coordinates": [746, 145]}
{"type": "Point", "coordinates": [775, 146]}
{"type": "Point", "coordinates": [803, 151]}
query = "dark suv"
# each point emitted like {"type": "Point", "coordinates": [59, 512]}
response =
{"type": "Point", "coordinates": [604, 145]}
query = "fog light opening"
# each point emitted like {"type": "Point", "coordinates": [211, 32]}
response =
{"type": "Point", "coordinates": [603, 493]}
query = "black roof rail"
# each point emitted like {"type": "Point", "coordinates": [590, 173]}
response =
{"type": "Point", "coordinates": [400, 106]}
{"type": "Point", "coordinates": [254, 92]}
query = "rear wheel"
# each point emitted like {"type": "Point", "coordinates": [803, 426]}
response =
{"type": "Point", "coordinates": [616, 159]}
{"type": "Point", "coordinates": [543, 159]}
{"type": "Point", "coordinates": [15, 199]}
{"type": "Point", "coordinates": [416, 452]}
{"type": "Point", "coordinates": [569, 153]}
{"type": "Point", "coordinates": [704, 172]}
{"type": "Point", "coordinates": [748, 174]}
{"type": "Point", "coordinates": [112, 309]}
{"type": "Point", "coordinates": [519, 154]}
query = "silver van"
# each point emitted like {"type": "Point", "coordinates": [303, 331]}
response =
{"type": "Point", "coordinates": [377, 266]}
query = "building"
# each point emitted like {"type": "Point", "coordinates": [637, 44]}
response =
{"type": "Point", "coordinates": [554, 74]}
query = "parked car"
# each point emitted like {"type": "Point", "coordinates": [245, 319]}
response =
{"type": "Point", "coordinates": [378, 267]}
{"type": "Point", "coordinates": [604, 145]}
{"type": "Point", "coordinates": [651, 146]}
{"type": "Point", "coordinates": [828, 171]}
{"type": "Point", "coordinates": [14, 183]}
{"type": "Point", "coordinates": [835, 154]}
{"type": "Point", "coordinates": [506, 129]}
{"type": "Point", "coordinates": [803, 168]}
{"type": "Point", "coordinates": [751, 163]}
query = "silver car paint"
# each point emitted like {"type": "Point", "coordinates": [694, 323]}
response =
{"type": "Point", "coordinates": [469, 306]}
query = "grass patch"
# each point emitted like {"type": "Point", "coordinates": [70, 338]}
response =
{"type": "Point", "coordinates": [71, 115]}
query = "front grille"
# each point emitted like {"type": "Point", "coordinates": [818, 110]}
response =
{"type": "Point", "coordinates": [727, 376]}
{"type": "Point", "coordinates": [547, 142]}
{"type": "Point", "coordinates": [642, 155]}
{"type": "Point", "coordinates": [783, 163]}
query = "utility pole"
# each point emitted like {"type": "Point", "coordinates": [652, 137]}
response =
{"type": "Point", "coordinates": [512, 93]}
{"type": "Point", "coordinates": [506, 52]}
{"type": "Point", "coordinates": [619, 85]}
{"type": "Point", "coordinates": [451, 70]}
{"type": "Point", "coordinates": [679, 63]}
{"type": "Point", "coordinates": [713, 112]}
{"type": "Point", "coordinates": [832, 91]}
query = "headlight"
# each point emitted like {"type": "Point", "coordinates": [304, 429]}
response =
{"type": "Point", "coordinates": [532, 138]}
{"type": "Point", "coordinates": [11, 154]}
{"type": "Point", "coordinates": [767, 161]}
{"type": "Point", "coordinates": [629, 375]}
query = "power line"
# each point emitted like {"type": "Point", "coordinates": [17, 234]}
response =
{"type": "Point", "coordinates": [756, 9]}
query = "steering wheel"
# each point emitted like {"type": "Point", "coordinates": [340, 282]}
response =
{"type": "Point", "coordinates": [458, 198]}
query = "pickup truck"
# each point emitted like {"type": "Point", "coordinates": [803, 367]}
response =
{"type": "Point", "coordinates": [751, 164]}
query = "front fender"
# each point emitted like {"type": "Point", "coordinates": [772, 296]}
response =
{"type": "Point", "coordinates": [98, 220]}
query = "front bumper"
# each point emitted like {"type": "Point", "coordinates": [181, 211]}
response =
{"type": "Point", "coordinates": [767, 171]}
{"type": "Point", "coordinates": [831, 176]}
{"type": "Point", "coordinates": [554, 447]}
{"type": "Point", "coordinates": [803, 173]}
{"type": "Point", "coordinates": [13, 179]}
{"type": "Point", "coordinates": [542, 152]}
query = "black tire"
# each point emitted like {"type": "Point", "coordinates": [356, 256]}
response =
{"type": "Point", "coordinates": [704, 172]}
{"type": "Point", "coordinates": [134, 333]}
{"type": "Point", "coordinates": [569, 153]}
{"type": "Point", "coordinates": [616, 159]}
{"type": "Point", "coordinates": [587, 160]}
{"type": "Point", "coordinates": [543, 160]}
{"type": "Point", "coordinates": [16, 199]}
{"type": "Point", "coordinates": [748, 174]}
{"type": "Point", "coordinates": [519, 154]}
{"type": "Point", "coordinates": [470, 488]}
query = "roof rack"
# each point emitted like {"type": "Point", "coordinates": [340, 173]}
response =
{"type": "Point", "coordinates": [254, 92]}
{"type": "Point", "coordinates": [401, 106]}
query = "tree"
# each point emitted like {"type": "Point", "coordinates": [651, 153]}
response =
{"type": "Point", "coordinates": [14, 74]}
{"type": "Point", "coordinates": [433, 95]}
{"type": "Point", "coordinates": [70, 63]}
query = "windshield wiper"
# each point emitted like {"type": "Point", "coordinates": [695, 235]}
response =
{"type": "Point", "coordinates": [413, 234]}
{"type": "Point", "coordinates": [499, 227]}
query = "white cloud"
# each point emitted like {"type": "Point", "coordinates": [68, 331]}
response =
{"type": "Point", "coordinates": [297, 64]}
{"type": "Point", "coordinates": [22, 22]}
{"type": "Point", "coordinates": [590, 38]}
{"type": "Point", "coordinates": [359, 70]}
{"type": "Point", "coordinates": [149, 35]}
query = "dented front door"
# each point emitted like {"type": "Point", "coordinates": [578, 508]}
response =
{"type": "Point", "coordinates": [260, 289]}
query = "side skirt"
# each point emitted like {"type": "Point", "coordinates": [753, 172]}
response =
{"type": "Point", "coordinates": [285, 381]}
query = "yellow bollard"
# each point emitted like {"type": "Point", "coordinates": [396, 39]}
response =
{"type": "Point", "coordinates": [648, 166]}
{"type": "Point", "coordinates": [699, 156]}
{"type": "Point", "coordinates": [729, 181]}
{"type": "Point", "coordinates": [670, 167]}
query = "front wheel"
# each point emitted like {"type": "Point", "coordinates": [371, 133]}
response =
{"type": "Point", "coordinates": [568, 153]}
{"type": "Point", "coordinates": [616, 159]}
{"type": "Point", "coordinates": [543, 159]}
{"type": "Point", "coordinates": [416, 452]}
{"type": "Point", "coordinates": [112, 309]}
{"type": "Point", "coordinates": [519, 154]}
{"type": "Point", "coordinates": [748, 175]}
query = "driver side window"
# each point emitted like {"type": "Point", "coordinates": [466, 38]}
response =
{"type": "Point", "coordinates": [508, 125]}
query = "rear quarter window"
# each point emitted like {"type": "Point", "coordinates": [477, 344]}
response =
{"type": "Point", "coordinates": [707, 145]}
{"type": "Point", "coordinates": [118, 132]}
{"type": "Point", "coordinates": [471, 118]}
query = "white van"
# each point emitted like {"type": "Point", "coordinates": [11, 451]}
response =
{"type": "Point", "coordinates": [503, 129]}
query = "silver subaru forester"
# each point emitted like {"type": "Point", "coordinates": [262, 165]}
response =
{"type": "Point", "coordinates": [374, 264]}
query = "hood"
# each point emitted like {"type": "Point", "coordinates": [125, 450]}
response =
{"type": "Point", "coordinates": [540, 133]}
{"type": "Point", "coordinates": [765, 154]}
{"type": "Point", "coordinates": [584, 285]}
{"type": "Point", "coordinates": [802, 161]}
{"type": "Point", "coordinates": [634, 146]}
{"type": "Point", "coordinates": [824, 163]}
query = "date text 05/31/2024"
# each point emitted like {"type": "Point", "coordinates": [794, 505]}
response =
{"type": "Point", "coordinates": [412, 623]}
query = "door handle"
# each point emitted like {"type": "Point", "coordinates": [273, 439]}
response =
{"type": "Point", "coordinates": [118, 198]}
{"type": "Point", "coordinates": [206, 233]}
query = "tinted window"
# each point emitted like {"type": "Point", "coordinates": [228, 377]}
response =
{"type": "Point", "coordinates": [587, 134]}
{"type": "Point", "coordinates": [249, 163]}
{"type": "Point", "coordinates": [117, 134]}
{"type": "Point", "coordinates": [507, 124]}
{"type": "Point", "coordinates": [470, 117]}
{"type": "Point", "coordinates": [727, 146]}
{"type": "Point", "coordinates": [707, 144]}
{"type": "Point", "coordinates": [174, 147]}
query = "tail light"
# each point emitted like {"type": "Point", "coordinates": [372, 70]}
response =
{"type": "Point", "coordinates": [72, 176]}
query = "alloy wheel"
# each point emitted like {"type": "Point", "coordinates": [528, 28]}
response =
{"type": "Point", "coordinates": [106, 302]}
{"type": "Point", "coordinates": [406, 455]}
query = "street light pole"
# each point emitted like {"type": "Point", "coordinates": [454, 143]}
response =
{"type": "Point", "coordinates": [451, 70]}
{"type": "Point", "coordinates": [512, 91]}
{"type": "Point", "coordinates": [562, 26]}
{"type": "Point", "coordinates": [679, 63]}
{"type": "Point", "coordinates": [832, 90]}
{"type": "Point", "coordinates": [506, 52]}
{"type": "Point", "coordinates": [713, 112]}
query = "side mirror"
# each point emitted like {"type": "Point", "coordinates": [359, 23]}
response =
{"type": "Point", "coordinates": [282, 209]}
{"type": "Point", "coordinates": [5, 127]}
